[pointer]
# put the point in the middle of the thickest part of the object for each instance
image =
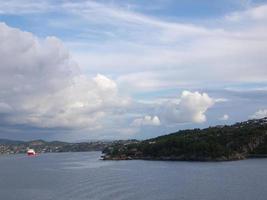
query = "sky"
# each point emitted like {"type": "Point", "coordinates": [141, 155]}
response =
{"type": "Point", "coordinates": [119, 69]}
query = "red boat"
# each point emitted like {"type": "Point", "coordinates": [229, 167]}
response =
{"type": "Point", "coordinates": [31, 152]}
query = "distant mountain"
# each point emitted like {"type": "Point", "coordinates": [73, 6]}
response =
{"type": "Point", "coordinates": [219, 143]}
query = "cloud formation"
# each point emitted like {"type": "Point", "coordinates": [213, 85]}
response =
{"type": "Point", "coordinates": [259, 114]}
{"type": "Point", "coordinates": [179, 47]}
{"type": "Point", "coordinates": [129, 50]}
{"type": "Point", "coordinates": [42, 86]}
{"type": "Point", "coordinates": [190, 107]}
{"type": "Point", "coordinates": [146, 121]}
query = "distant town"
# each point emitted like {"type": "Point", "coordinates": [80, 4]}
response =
{"type": "Point", "coordinates": [41, 146]}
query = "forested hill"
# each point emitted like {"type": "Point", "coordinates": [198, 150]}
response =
{"type": "Point", "coordinates": [218, 143]}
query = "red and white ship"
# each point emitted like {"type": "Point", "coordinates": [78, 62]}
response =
{"type": "Point", "coordinates": [31, 152]}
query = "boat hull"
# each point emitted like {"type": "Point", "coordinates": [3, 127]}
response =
{"type": "Point", "coordinates": [31, 154]}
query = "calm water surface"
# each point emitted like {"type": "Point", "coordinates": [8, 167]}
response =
{"type": "Point", "coordinates": [79, 176]}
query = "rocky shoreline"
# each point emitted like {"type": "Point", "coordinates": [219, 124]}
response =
{"type": "Point", "coordinates": [181, 158]}
{"type": "Point", "coordinates": [222, 159]}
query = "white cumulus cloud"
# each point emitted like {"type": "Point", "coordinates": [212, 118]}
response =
{"type": "Point", "coordinates": [190, 107]}
{"type": "Point", "coordinates": [41, 86]}
{"type": "Point", "coordinates": [147, 121]}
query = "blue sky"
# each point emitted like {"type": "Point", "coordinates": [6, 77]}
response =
{"type": "Point", "coordinates": [75, 70]}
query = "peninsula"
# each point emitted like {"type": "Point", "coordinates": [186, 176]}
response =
{"type": "Point", "coordinates": [219, 143]}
